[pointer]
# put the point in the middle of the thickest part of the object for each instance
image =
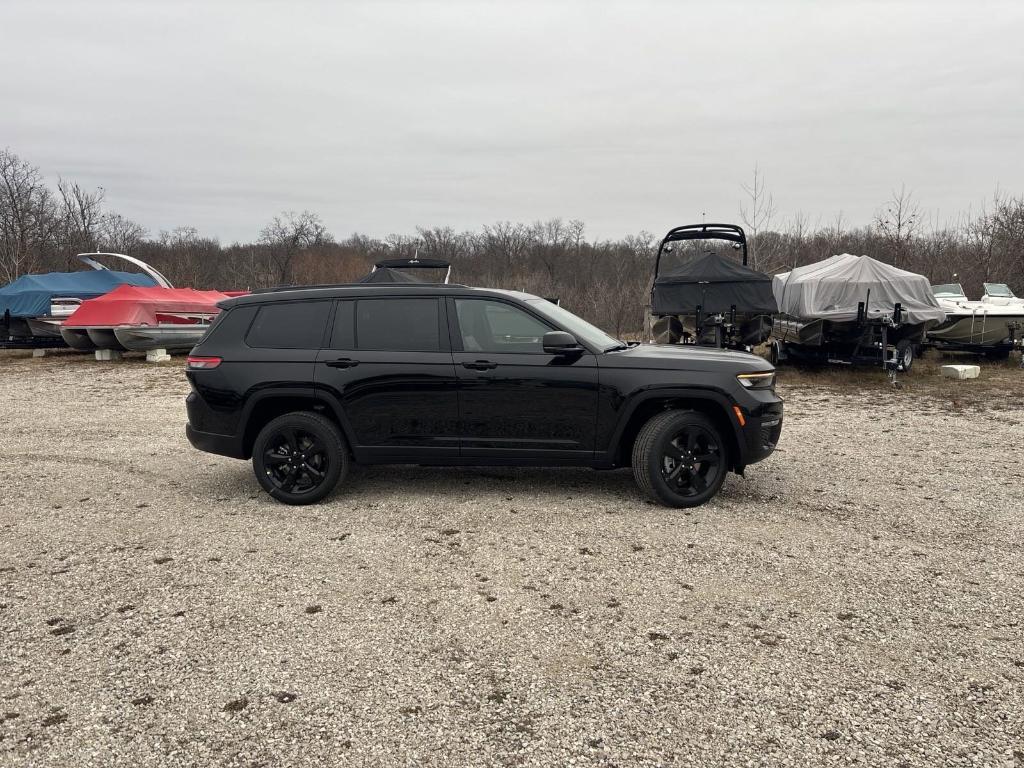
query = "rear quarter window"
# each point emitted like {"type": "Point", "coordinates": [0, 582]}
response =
{"type": "Point", "coordinates": [289, 325]}
{"type": "Point", "coordinates": [230, 326]}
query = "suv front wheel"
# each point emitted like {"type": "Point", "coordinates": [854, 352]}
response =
{"type": "Point", "coordinates": [300, 457]}
{"type": "Point", "coordinates": [680, 458]}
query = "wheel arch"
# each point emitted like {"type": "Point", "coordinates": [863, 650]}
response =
{"type": "Point", "coordinates": [715, 405]}
{"type": "Point", "coordinates": [267, 405]}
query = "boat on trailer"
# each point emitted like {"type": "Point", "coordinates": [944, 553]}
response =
{"type": "Point", "coordinates": [992, 325]}
{"type": "Point", "coordinates": [699, 296]}
{"type": "Point", "coordinates": [853, 309]}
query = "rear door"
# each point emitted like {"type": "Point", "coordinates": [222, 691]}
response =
{"type": "Point", "coordinates": [388, 363]}
{"type": "Point", "coordinates": [516, 400]}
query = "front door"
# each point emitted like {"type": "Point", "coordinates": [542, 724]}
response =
{"type": "Point", "coordinates": [516, 400]}
{"type": "Point", "coordinates": [389, 364]}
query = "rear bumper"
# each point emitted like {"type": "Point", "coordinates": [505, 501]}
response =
{"type": "Point", "coordinates": [223, 445]}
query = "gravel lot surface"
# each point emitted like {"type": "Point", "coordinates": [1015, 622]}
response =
{"type": "Point", "coordinates": [858, 599]}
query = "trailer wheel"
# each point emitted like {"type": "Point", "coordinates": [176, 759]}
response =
{"type": "Point", "coordinates": [905, 354]}
{"type": "Point", "coordinates": [774, 352]}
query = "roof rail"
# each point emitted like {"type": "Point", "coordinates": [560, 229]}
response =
{"type": "Point", "coordinates": [280, 288]}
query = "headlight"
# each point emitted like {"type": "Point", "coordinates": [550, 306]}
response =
{"type": "Point", "coordinates": [764, 380]}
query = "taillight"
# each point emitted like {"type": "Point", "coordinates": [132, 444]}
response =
{"type": "Point", "coordinates": [202, 363]}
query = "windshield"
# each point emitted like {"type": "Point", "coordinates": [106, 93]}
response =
{"type": "Point", "coordinates": [577, 326]}
{"type": "Point", "coordinates": [948, 289]}
{"type": "Point", "coordinates": [1000, 290]}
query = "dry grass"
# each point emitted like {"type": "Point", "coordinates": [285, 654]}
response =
{"type": "Point", "coordinates": [1001, 384]}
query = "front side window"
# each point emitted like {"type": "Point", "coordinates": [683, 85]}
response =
{"type": "Point", "coordinates": [493, 326]}
{"type": "Point", "coordinates": [292, 325]}
{"type": "Point", "coordinates": [398, 325]}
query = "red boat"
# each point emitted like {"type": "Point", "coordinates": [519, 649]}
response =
{"type": "Point", "coordinates": [142, 319]}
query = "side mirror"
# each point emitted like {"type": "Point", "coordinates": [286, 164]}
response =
{"type": "Point", "coordinates": [561, 343]}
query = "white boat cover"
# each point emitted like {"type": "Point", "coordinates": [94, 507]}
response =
{"type": "Point", "coordinates": [831, 290]}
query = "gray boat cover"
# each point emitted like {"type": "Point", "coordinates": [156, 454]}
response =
{"type": "Point", "coordinates": [831, 290]}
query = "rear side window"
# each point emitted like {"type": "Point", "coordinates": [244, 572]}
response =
{"type": "Point", "coordinates": [398, 325]}
{"type": "Point", "coordinates": [295, 325]}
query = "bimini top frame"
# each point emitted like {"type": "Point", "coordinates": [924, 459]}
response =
{"type": "Point", "coordinates": [416, 263]}
{"type": "Point", "coordinates": [87, 258]}
{"type": "Point", "coordinates": [730, 232]}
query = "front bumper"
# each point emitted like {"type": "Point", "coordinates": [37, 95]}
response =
{"type": "Point", "coordinates": [762, 432]}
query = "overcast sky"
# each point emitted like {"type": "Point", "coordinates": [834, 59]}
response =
{"type": "Point", "coordinates": [381, 116]}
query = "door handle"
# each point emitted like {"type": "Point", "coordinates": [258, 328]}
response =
{"type": "Point", "coordinates": [480, 365]}
{"type": "Point", "coordinates": [342, 362]}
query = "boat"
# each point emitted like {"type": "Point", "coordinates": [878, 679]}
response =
{"type": "Point", "coordinates": [992, 325]}
{"type": "Point", "coordinates": [48, 326]}
{"type": "Point", "coordinates": [142, 319]}
{"type": "Point", "coordinates": [853, 309]}
{"type": "Point", "coordinates": [701, 297]}
{"type": "Point", "coordinates": [33, 307]}
{"type": "Point", "coordinates": [389, 270]}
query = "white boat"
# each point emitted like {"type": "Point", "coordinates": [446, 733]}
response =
{"type": "Point", "coordinates": [992, 324]}
{"type": "Point", "coordinates": [48, 326]}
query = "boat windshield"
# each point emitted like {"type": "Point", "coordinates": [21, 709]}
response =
{"type": "Point", "coordinates": [577, 326]}
{"type": "Point", "coordinates": [948, 290]}
{"type": "Point", "coordinates": [999, 290]}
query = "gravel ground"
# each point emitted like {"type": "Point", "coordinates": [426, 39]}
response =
{"type": "Point", "coordinates": [858, 599]}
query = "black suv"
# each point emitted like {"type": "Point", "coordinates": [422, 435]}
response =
{"type": "Point", "coordinates": [306, 381]}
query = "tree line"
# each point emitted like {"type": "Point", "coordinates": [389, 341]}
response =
{"type": "Point", "coordinates": [605, 281]}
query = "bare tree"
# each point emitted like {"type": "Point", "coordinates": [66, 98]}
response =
{"type": "Point", "coordinates": [121, 235]}
{"type": "Point", "coordinates": [288, 235]}
{"type": "Point", "coordinates": [898, 223]}
{"type": "Point", "coordinates": [27, 216]}
{"type": "Point", "coordinates": [81, 215]}
{"type": "Point", "coordinates": [195, 258]}
{"type": "Point", "coordinates": [757, 213]}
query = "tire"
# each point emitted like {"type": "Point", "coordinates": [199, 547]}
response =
{"type": "Point", "coordinates": [905, 354]}
{"type": "Point", "coordinates": [774, 352]}
{"type": "Point", "coordinates": [664, 459]}
{"type": "Point", "coordinates": [300, 457]}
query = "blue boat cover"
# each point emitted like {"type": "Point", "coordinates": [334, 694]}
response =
{"type": "Point", "coordinates": [30, 295]}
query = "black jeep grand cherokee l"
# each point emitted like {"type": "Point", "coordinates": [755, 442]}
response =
{"type": "Point", "coordinates": [306, 381]}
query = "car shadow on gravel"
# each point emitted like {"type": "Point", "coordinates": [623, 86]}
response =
{"type": "Point", "coordinates": [455, 484]}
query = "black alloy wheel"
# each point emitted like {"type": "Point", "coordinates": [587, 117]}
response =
{"type": "Point", "coordinates": [680, 458]}
{"type": "Point", "coordinates": [299, 458]}
{"type": "Point", "coordinates": [689, 459]}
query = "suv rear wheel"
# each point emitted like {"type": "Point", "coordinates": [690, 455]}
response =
{"type": "Point", "coordinates": [679, 458]}
{"type": "Point", "coordinates": [300, 457]}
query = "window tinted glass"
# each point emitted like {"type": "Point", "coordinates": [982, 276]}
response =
{"type": "Point", "coordinates": [493, 326]}
{"type": "Point", "coordinates": [401, 325]}
{"type": "Point", "coordinates": [298, 325]}
{"type": "Point", "coordinates": [344, 334]}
